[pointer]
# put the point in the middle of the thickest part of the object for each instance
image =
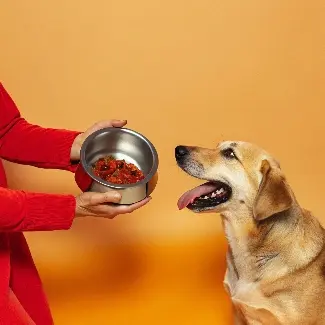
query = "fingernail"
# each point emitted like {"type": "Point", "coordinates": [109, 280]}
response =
{"type": "Point", "coordinates": [117, 195]}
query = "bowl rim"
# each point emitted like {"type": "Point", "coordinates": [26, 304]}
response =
{"type": "Point", "coordinates": [86, 167]}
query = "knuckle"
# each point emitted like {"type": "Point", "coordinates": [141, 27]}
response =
{"type": "Point", "coordinates": [100, 124]}
{"type": "Point", "coordinates": [111, 215]}
{"type": "Point", "coordinates": [92, 200]}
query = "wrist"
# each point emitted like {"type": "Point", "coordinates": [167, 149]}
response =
{"type": "Point", "coordinates": [75, 149]}
{"type": "Point", "coordinates": [79, 210]}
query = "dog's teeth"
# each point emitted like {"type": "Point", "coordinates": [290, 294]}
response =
{"type": "Point", "coordinates": [212, 194]}
{"type": "Point", "coordinates": [221, 190]}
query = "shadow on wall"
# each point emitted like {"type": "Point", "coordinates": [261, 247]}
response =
{"type": "Point", "coordinates": [126, 269]}
{"type": "Point", "coordinates": [114, 270]}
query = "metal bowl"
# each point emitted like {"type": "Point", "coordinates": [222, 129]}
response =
{"type": "Point", "coordinates": [121, 143]}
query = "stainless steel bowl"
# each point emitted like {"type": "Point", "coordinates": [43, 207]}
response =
{"type": "Point", "coordinates": [121, 143]}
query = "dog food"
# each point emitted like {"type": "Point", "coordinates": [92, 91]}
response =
{"type": "Point", "coordinates": [117, 171]}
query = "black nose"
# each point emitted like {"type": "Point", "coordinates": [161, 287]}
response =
{"type": "Point", "coordinates": [181, 152]}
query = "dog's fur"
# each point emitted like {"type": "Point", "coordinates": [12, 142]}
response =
{"type": "Point", "coordinates": [276, 257]}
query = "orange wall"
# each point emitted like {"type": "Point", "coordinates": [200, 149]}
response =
{"type": "Point", "coordinates": [181, 72]}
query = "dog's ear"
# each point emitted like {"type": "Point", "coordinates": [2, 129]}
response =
{"type": "Point", "coordinates": [274, 194]}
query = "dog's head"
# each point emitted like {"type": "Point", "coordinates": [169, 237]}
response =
{"type": "Point", "coordinates": [239, 175]}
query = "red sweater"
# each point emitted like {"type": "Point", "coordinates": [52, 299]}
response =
{"type": "Point", "coordinates": [23, 143]}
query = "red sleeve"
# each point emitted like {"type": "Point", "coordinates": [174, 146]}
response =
{"type": "Point", "coordinates": [29, 144]}
{"type": "Point", "coordinates": [21, 211]}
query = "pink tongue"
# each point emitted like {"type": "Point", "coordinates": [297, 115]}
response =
{"type": "Point", "coordinates": [191, 195]}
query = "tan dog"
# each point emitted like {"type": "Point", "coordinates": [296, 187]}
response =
{"type": "Point", "coordinates": [276, 256]}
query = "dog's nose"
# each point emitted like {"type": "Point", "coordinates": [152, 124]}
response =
{"type": "Point", "coordinates": [180, 152]}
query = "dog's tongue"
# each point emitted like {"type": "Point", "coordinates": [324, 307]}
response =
{"type": "Point", "coordinates": [191, 195]}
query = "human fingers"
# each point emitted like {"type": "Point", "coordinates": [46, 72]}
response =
{"type": "Point", "coordinates": [123, 209]}
{"type": "Point", "coordinates": [109, 123]}
{"type": "Point", "coordinates": [94, 198]}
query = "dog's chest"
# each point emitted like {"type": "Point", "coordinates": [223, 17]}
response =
{"type": "Point", "coordinates": [244, 290]}
{"type": "Point", "coordinates": [249, 302]}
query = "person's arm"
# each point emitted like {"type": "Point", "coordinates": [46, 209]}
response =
{"type": "Point", "coordinates": [24, 211]}
{"type": "Point", "coordinates": [29, 144]}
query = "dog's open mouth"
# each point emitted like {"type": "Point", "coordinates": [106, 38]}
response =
{"type": "Point", "coordinates": [205, 196]}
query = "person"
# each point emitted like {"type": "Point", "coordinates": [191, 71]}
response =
{"type": "Point", "coordinates": [22, 299]}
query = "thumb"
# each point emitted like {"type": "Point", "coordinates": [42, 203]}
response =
{"type": "Point", "coordinates": [94, 198]}
{"type": "Point", "coordinates": [118, 123]}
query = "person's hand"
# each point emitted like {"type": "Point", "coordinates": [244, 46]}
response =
{"type": "Point", "coordinates": [78, 141]}
{"type": "Point", "coordinates": [97, 205]}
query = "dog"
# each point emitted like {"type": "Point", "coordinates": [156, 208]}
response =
{"type": "Point", "coordinates": [276, 257]}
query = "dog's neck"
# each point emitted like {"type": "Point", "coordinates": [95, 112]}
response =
{"type": "Point", "coordinates": [278, 243]}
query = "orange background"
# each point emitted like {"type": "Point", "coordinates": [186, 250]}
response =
{"type": "Point", "coordinates": [181, 72]}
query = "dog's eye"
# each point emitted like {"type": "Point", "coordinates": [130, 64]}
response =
{"type": "Point", "coordinates": [228, 153]}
